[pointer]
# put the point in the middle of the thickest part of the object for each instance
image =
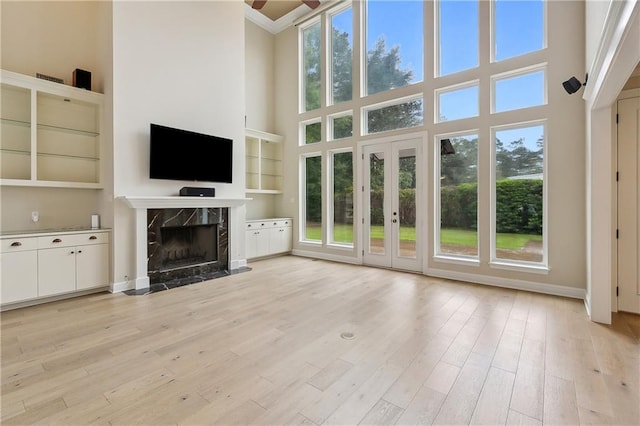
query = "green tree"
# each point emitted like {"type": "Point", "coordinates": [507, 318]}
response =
{"type": "Point", "coordinates": [312, 75]}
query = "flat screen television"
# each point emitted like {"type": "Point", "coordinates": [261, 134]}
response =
{"type": "Point", "coordinates": [177, 154]}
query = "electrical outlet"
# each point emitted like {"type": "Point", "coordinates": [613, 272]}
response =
{"type": "Point", "coordinates": [35, 216]}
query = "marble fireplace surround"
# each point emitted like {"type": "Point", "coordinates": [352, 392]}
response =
{"type": "Point", "coordinates": [141, 203]}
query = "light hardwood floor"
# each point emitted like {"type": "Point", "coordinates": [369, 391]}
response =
{"type": "Point", "coordinates": [265, 347]}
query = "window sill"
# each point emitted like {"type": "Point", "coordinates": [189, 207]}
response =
{"type": "Point", "coordinates": [520, 267]}
{"type": "Point", "coordinates": [457, 260]}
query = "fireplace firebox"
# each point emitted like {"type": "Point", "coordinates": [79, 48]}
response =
{"type": "Point", "coordinates": [186, 245]}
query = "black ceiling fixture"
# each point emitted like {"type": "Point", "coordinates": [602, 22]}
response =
{"type": "Point", "coordinates": [573, 84]}
{"type": "Point", "coordinates": [259, 4]}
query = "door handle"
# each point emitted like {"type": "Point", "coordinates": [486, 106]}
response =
{"type": "Point", "coordinates": [394, 220]}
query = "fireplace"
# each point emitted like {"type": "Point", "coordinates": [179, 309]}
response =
{"type": "Point", "coordinates": [186, 245]}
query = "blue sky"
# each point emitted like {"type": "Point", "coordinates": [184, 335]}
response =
{"type": "Point", "coordinates": [518, 30]}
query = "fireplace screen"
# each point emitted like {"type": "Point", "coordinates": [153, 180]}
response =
{"type": "Point", "coordinates": [188, 245]}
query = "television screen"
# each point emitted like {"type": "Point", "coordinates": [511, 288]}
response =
{"type": "Point", "coordinates": [183, 155]}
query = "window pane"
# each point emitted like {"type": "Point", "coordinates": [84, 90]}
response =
{"type": "Point", "coordinates": [519, 27]}
{"type": "Point", "coordinates": [394, 44]}
{"type": "Point", "coordinates": [312, 132]}
{"type": "Point", "coordinates": [458, 36]}
{"type": "Point", "coordinates": [392, 117]}
{"type": "Point", "coordinates": [342, 127]}
{"type": "Point", "coordinates": [311, 68]}
{"type": "Point", "coordinates": [456, 104]}
{"type": "Point", "coordinates": [519, 92]}
{"type": "Point", "coordinates": [341, 56]}
{"type": "Point", "coordinates": [342, 198]}
{"type": "Point", "coordinates": [459, 196]}
{"type": "Point", "coordinates": [313, 199]}
{"type": "Point", "coordinates": [376, 203]}
{"type": "Point", "coordinates": [519, 160]}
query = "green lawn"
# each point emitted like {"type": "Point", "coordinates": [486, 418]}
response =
{"type": "Point", "coordinates": [457, 237]}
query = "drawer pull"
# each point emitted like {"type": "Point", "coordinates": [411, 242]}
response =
{"type": "Point", "coordinates": [57, 240]}
{"type": "Point", "coordinates": [93, 237]}
{"type": "Point", "coordinates": [16, 244]}
{"type": "Point", "coordinates": [249, 225]}
{"type": "Point", "coordinates": [79, 251]}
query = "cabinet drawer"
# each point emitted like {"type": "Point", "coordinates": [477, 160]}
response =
{"type": "Point", "coordinates": [18, 244]}
{"type": "Point", "coordinates": [54, 241]}
{"type": "Point", "coordinates": [282, 223]}
{"type": "Point", "coordinates": [258, 225]}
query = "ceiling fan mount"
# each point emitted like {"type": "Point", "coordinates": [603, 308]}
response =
{"type": "Point", "coordinates": [259, 4]}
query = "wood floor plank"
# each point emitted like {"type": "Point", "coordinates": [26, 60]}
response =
{"type": "Point", "coordinates": [265, 347]}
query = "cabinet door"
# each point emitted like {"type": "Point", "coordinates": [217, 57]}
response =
{"type": "Point", "coordinates": [92, 266]}
{"type": "Point", "coordinates": [280, 240]}
{"type": "Point", "coordinates": [56, 271]}
{"type": "Point", "coordinates": [19, 276]}
{"type": "Point", "coordinates": [250, 238]}
{"type": "Point", "coordinates": [262, 243]}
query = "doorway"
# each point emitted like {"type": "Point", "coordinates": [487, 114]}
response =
{"type": "Point", "coordinates": [392, 194]}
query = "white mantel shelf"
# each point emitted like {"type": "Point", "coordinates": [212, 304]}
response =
{"type": "Point", "coordinates": [159, 202]}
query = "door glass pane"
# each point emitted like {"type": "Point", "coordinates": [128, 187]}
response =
{"type": "Point", "coordinates": [376, 203]}
{"type": "Point", "coordinates": [407, 202]}
{"type": "Point", "coordinates": [313, 199]}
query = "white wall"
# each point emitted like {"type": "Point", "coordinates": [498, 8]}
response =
{"type": "Point", "coordinates": [595, 14]}
{"type": "Point", "coordinates": [260, 78]}
{"type": "Point", "coordinates": [180, 64]}
{"type": "Point", "coordinates": [53, 38]}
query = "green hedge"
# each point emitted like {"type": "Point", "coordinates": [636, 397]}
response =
{"type": "Point", "coordinates": [518, 206]}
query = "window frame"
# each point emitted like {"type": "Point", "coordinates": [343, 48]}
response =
{"type": "Point", "coordinates": [302, 137]}
{"type": "Point", "coordinates": [330, 125]}
{"type": "Point", "coordinates": [453, 88]}
{"type": "Point", "coordinates": [437, 219]}
{"type": "Point", "coordinates": [532, 69]}
{"type": "Point", "coordinates": [437, 51]}
{"type": "Point", "coordinates": [302, 92]}
{"type": "Point", "coordinates": [303, 198]}
{"type": "Point", "coordinates": [492, 33]}
{"type": "Point", "coordinates": [364, 123]}
{"type": "Point", "coordinates": [330, 196]}
{"type": "Point", "coordinates": [541, 267]}
{"type": "Point", "coordinates": [329, 52]}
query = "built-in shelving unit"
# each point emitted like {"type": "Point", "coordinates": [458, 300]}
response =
{"type": "Point", "coordinates": [49, 134]}
{"type": "Point", "coordinates": [264, 172]}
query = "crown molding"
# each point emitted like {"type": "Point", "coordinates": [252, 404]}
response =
{"type": "Point", "coordinates": [275, 27]}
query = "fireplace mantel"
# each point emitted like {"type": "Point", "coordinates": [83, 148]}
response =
{"type": "Point", "coordinates": [141, 203]}
{"type": "Point", "coordinates": [168, 202]}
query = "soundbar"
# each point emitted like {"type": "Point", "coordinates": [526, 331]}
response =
{"type": "Point", "coordinates": [190, 191]}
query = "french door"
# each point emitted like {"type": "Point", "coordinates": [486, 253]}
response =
{"type": "Point", "coordinates": [391, 200]}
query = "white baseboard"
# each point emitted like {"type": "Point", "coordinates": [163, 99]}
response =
{"type": "Point", "coordinates": [556, 290]}
{"type": "Point", "coordinates": [122, 286]}
{"type": "Point", "coordinates": [142, 282]}
{"type": "Point", "coordinates": [326, 256]}
{"type": "Point", "coordinates": [587, 304]}
{"type": "Point", "coordinates": [237, 264]}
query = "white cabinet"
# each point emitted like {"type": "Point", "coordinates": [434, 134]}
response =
{"type": "Point", "coordinates": [50, 133]}
{"type": "Point", "coordinates": [19, 269]}
{"type": "Point", "coordinates": [51, 264]}
{"type": "Point", "coordinates": [267, 237]}
{"type": "Point", "coordinates": [264, 172]}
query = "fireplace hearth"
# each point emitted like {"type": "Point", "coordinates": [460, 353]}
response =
{"type": "Point", "coordinates": [186, 245]}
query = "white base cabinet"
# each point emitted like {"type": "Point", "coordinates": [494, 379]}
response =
{"type": "Point", "coordinates": [267, 237]}
{"type": "Point", "coordinates": [36, 266]}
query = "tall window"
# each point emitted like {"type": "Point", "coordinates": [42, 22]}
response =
{"type": "Point", "coordinates": [519, 193]}
{"type": "Point", "coordinates": [458, 36]}
{"type": "Point", "coordinates": [341, 231]}
{"type": "Point", "coordinates": [458, 191]}
{"type": "Point", "coordinates": [312, 227]}
{"type": "Point", "coordinates": [341, 56]}
{"type": "Point", "coordinates": [394, 56]}
{"type": "Point", "coordinates": [311, 75]}
{"type": "Point", "coordinates": [518, 28]}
